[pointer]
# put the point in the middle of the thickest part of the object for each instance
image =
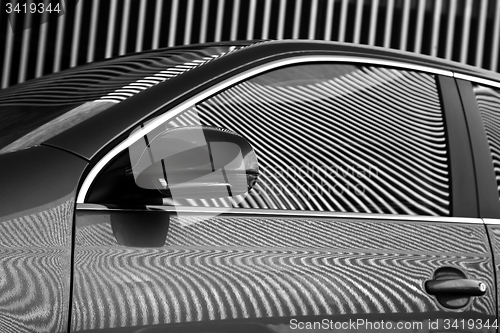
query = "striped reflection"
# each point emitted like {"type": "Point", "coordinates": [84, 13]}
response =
{"type": "Point", "coordinates": [350, 143]}
{"type": "Point", "coordinates": [249, 267]}
{"type": "Point", "coordinates": [488, 100]}
{"type": "Point", "coordinates": [114, 80]}
{"type": "Point", "coordinates": [35, 270]}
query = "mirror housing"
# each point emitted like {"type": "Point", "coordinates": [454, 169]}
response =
{"type": "Point", "coordinates": [194, 162]}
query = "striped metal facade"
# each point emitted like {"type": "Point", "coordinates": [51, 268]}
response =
{"type": "Point", "coordinates": [467, 31]}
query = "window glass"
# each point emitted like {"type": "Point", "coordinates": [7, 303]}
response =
{"type": "Point", "coordinates": [488, 100]}
{"type": "Point", "coordinates": [337, 138]}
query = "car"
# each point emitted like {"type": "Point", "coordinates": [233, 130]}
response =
{"type": "Point", "coordinates": [254, 186]}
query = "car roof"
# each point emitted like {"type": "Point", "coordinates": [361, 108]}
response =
{"type": "Point", "coordinates": [410, 58]}
{"type": "Point", "coordinates": [97, 79]}
{"type": "Point", "coordinates": [107, 79]}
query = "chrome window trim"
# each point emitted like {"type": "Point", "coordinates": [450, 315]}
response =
{"type": "Point", "coordinates": [89, 179]}
{"type": "Point", "coordinates": [475, 79]}
{"type": "Point", "coordinates": [290, 213]}
{"type": "Point", "coordinates": [491, 221]}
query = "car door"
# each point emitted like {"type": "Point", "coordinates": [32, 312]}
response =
{"type": "Point", "coordinates": [363, 215]}
{"type": "Point", "coordinates": [481, 99]}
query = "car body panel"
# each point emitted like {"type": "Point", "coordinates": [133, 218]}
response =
{"type": "Point", "coordinates": [38, 199]}
{"type": "Point", "coordinates": [463, 180]}
{"type": "Point", "coordinates": [493, 227]}
{"type": "Point", "coordinates": [270, 270]}
{"type": "Point", "coordinates": [36, 179]}
{"type": "Point", "coordinates": [488, 195]}
{"type": "Point", "coordinates": [488, 202]}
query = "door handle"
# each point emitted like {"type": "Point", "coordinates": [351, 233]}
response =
{"type": "Point", "coordinates": [465, 287]}
{"type": "Point", "coordinates": [452, 289]}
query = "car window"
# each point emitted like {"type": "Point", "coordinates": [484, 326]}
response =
{"type": "Point", "coordinates": [338, 138]}
{"type": "Point", "coordinates": [488, 101]}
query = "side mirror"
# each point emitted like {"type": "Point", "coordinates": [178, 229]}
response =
{"type": "Point", "coordinates": [194, 162]}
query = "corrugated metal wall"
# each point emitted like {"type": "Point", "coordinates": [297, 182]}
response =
{"type": "Point", "coordinates": [462, 30]}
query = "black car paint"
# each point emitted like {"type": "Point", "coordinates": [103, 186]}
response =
{"type": "Point", "coordinates": [485, 177]}
{"type": "Point", "coordinates": [271, 270]}
{"type": "Point", "coordinates": [38, 188]}
{"type": "Point", "coordinates": [463, 187]}
{"type": "Point", "coordinates": [487, 191]}
{"type": "Point", "coordinates": [43, 176]}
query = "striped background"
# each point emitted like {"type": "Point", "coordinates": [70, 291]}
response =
{"type": "Point", "coordinates": [463, 30]}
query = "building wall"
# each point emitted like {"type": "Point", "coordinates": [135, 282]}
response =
{"type": "Point", "coordinates": [467, 31]}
